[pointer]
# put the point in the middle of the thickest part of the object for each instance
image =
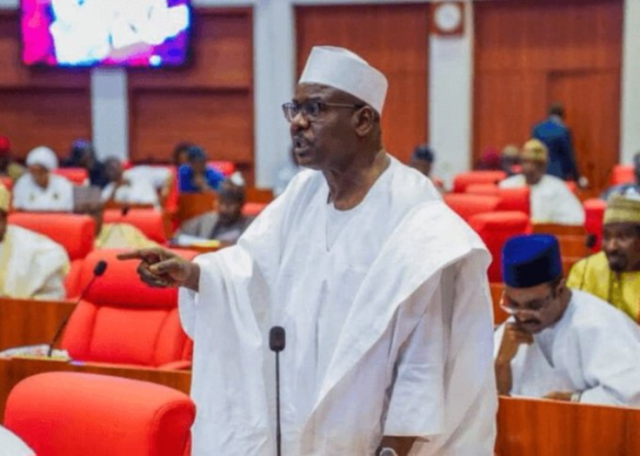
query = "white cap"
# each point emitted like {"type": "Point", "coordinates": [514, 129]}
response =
{"type": "Point", "coordinates": [42, 156]}
{"type": "Point", "coordinates": [340, 68]}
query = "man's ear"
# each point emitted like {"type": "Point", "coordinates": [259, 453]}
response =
{"type": "Point", "coordinates": [364, 120]}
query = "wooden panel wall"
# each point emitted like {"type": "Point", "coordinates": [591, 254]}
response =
{"type": "Point", "coordinates": [209, 103]}
{"type": "Point", "coordinates": [530, 53]}
{"type": "Point", "coordinates": [393, 38]}
{"type": "Point", "coordinates": [39, 106]}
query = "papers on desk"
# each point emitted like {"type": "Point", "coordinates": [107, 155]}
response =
{"type": "Point", "coordinates": [35, 352]}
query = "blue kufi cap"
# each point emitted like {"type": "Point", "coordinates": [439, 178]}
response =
{"type": "Point", "coordinates": [531, 260]}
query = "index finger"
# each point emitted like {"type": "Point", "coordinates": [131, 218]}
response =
{"type": "Point", "coordinates": [140, 254]}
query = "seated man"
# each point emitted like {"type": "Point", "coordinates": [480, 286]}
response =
{"type": "Point", "coordinates": [226, 224]}
{"type": "Point", "coordinates": [8, 166]}
{"type": "Point", "coordinates": [124, 190]}
{"type": "Point", "coordinates": [551, 199]}
{"type": "Point", "coordinates": [560, 343]}
{"type": "Point", "coordinates": [614, 273]}
{"type": "Point", "coordinates": [118, 235]}
{"type": "Point", "coordinates": [31, 265]}
{"type": "Point", "coordinates": [197, 176]}
{"type": "Point", "coordinates": [631, 187]}
{"type": "Point", "coordinates": [40, 189]}
{"type": "Point", "coordinates": [83, 155]}
{"type": "Point", "coordinates": [422, 160]}
{"type": "Point", "coordinates": [510, 160]}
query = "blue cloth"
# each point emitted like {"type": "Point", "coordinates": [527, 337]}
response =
{"type": "Point", "coordinates": [185, 179]}
{"type": "Point", "coordinates": [557, 137]}
{"type": "Point", "coordinates": [531, 260]}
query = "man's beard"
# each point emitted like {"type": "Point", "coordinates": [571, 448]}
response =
{"type": "Point", "coordinates": [618, 262]}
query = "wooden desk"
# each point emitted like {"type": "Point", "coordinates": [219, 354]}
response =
{"type": "Point", "coordinates": [14, 370]}
{"type": "Point", "coordinates": [530, 427]}
{"type": "Point", "coordinates": [559, 230]}
{"type": "Point", "coordinates": [28, 322]}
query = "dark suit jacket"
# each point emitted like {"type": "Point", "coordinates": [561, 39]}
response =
{"type": "Point", "coordinates": [557, 137]}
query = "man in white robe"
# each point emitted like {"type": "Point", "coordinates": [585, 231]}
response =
{"type": "Point", "coordinates": [12, 445]}
{"type": "Point", "coordinates": [551, 200]}
{"type": "Point", "coordinates": [123, 189]}
{"type": "Point", "coordinates": [31, 265]}
{"type": "Point", "coordinates": [560, 343]}
{"type": "Point", "coordinates": [40, 189]}
{"type": "Point", "coordinates": [381, 288]}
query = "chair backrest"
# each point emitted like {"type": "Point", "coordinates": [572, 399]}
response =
{"type": "Point", "coordinates": [467, 205]}
{"type": "Point", "coordinates": [462, 180]}
{"type": "Point", "coordinates": [78, 414]}
{"type": "Point", "coordinates": [76, 233]}
{"type": "Point", "coordinates": [594, 219]}
{"type": "Point", "coordinates": [495, 228]}
{"type": "Point", "coordinates": [7, 182]}
{"type": "Point", "coordinates": [511, 199]}
{"type": "Point", "coordinates": [225, 167]}
{"type": "Point", "coordinates": [147, 220]}
{"type": "Point", "coordinates": [78, 176]}
{"type": "Point", "coordinates": [622, 174]}
{"type": "Point", "coordinates": [122, 320]}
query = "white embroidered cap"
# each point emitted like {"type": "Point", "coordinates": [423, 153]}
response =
{"type": "Point", "coordinates": [42, 156]}
{"type": "Point", "coordinates": [340, 68]}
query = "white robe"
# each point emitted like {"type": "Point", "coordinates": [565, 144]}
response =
{"type": "Point", "coordinates": [12, 445]}
{"type": "Point", "coordinates": [139, 191]}
{"type": "Point", "coordinates": [389, 331]}
{"type": "Point", "coordinates": [31, 265]}
{"type": "Point", "coordinates": [551, 200]}
{"type": "Point", "coordinates": [594, 349]}
{"type": "Point", "coordinates": [58, 196]}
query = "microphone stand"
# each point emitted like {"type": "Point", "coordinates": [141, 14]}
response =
{"type": "Point", "coordinates": [277, 341]}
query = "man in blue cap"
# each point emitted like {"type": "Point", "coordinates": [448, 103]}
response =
{"type": "Point", "coordinates": [560, 343]}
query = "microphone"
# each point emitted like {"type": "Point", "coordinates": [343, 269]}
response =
{"type": "Point", "coordinates": [98, 270]}
{"type": "Point", "coordinates": [277, 342]}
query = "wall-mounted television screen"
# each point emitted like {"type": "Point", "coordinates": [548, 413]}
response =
{"type": "Point", "coordinates": [87, 33]}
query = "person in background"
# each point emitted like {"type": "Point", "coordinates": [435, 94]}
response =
{"type": "Point", "coordinates": [551, 200]}
{"type": "Point", "coordinates": [31, 265]}
{"type": "Point", "coordinates": [83, 155]}
{"type": "Point", "coordinates": [123, 190]}
{"type": "Point", "coordinates": [560, 343]}
{"type": "Point", "coordinates": [510, 160]}
{"type": "Point", "coordinates": [119, 235]}
{"type": "Point", "coordinates": [490, 160]}
{"type": "Point", "coordinates": [40, 189]}
{"type": "Point", "coordinates": [628, 188]}
{"type": "Point", "coordinates": [225, 224]}
{"type": "Point", "coordinates": [197, 176]}
{"type": "Point", "coordinates": [557, 137]}
{"type": "Point", "coordinates": [8, 166]}
{"type": "Point", "coordinates": [181, 154]}
{"type": "Point", "coordinates": [422, 160]}
{"type": "Point", "coordinates": [614, 273]}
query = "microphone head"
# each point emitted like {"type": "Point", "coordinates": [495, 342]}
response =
{"type": "Point", "coordinates": [277, 339]}
{"type": "Point", "coordinates": [100, 267]}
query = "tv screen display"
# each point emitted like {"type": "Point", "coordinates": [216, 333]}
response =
{"type": "Point", "coordinates": [87, 33]}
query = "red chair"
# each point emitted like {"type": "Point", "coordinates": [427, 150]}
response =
{"type": "Point", "coordinates": [466, 205]}
{"type": "Point", "coordinates": [253, 209]}
{"type": "Point", "coordinates": [77, 414]}
{"type": "Point", "coordinates": [461, 181]}
{"type": "Point", "coordinates": [121, 320]}
{"type": "Point", "coordinates": [594, 218]}
{"type": "Point", "coordinates": [79, 176]}
{"type": "Point", "coordinates": [622, 174]}
{"type": "Point", "coordinates": [495, 229]}
{"type": "Point", "coordinates": [511, 199]}
{"type": "Point", "coordinates": [225, 167]}
{"type": "Point", "coordinates": [76, 233]}
{"type": "Point", "coordinates": [7, 182]}
{"type": "Point", "coordinates": [149, 221]}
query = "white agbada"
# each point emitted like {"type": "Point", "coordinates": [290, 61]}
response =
{"type": "Point", "coordinates": [388, 320]}
{"type": "Point", "coordinates": [12, 445]}
{"type": "Point", "coordinates": [31, 265]}
{"type": "Point", "coordinates": [58, 196]}
{"type": "Point", "coordinates": [594, 349]}
{"type": "Point", "coordinates": [551, 200]}
{"type": "Point", "coordinates": [137, 191]}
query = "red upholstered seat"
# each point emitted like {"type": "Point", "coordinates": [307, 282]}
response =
{"type": "Point", "coordinates": [77, 414]}
{"type": "Point", "coordinates": [495, 229]}
{"type": "Point", "coordinates": [7, 182]}
{"type": "Point", "coordinates": [253, 209]}
{"type": "Point", "coordinates": [466, 205]}
{"type": "Point", "coordinates": [461, 181]}
{"type": "Point", "coordinates": [594, 217]}
{"type": "Point", "coordinates": [79, 176]}
{"type": "Point", "coordinates": [149, 221]}
{"type": "Point", "coordinates": [622, 174]}
{"type": "Point", "coordinates": [511, 199]}
{"type": "Point", "coordinates": [121, 320]}
{"type": "Point", "coordinates": [225, 167]}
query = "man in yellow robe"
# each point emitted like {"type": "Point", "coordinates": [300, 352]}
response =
{"type": "Point", "coordinates": [119, 235]}
{"type": "Point", "coordinates": [31, 265]}
{"type": "Point", "coordinates": [614, 274]}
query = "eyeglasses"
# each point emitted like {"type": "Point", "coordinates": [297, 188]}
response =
{"type": "Point", "coordinates": [312, 109]}
{"type": "Point", "coordinates": [531, 307]}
